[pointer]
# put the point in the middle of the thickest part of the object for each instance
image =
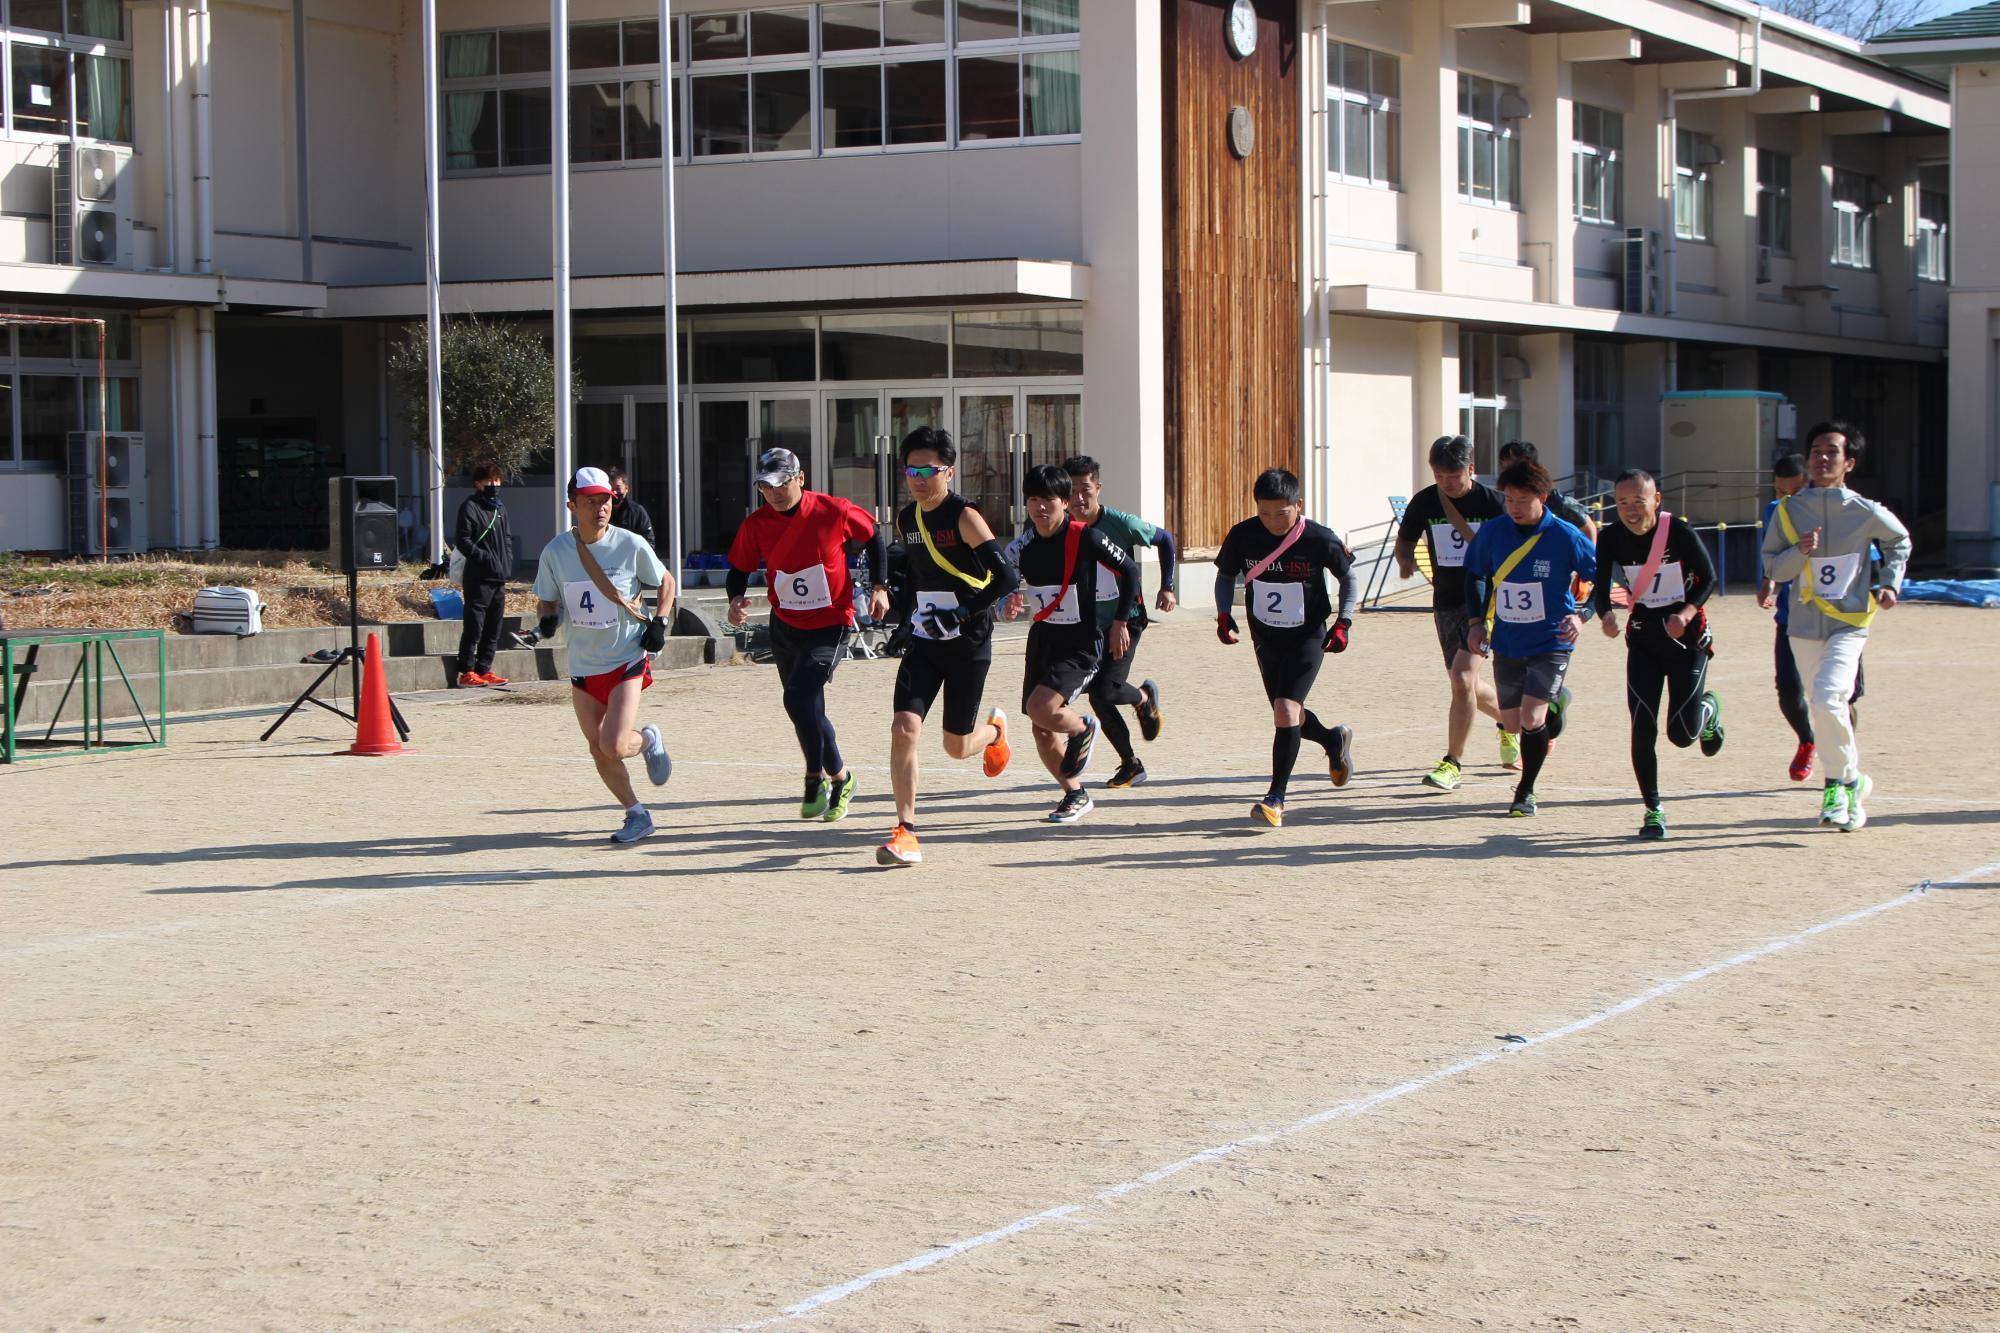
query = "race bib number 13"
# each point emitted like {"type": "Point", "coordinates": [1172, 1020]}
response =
{"type": "Point", "coordinates": [1522, 604]}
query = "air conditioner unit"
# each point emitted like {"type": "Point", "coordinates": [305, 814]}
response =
{"type": "Point", "coordinates": [90, 205]}
{"type": "Point", "coordinates": [119, 478]}
{"type": "Point", "coordinates": [1641, 285]}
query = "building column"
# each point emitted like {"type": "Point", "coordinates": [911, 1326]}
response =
{"type": "Point", "coordinates": [1430, 144]}
{"type": "Point", "coordinates": [1736, 211]}
{"type": "Point", "coordinates": [1548, 180]}
{"type": "Point", "coordinates": [1436, 385]}
{"type": "Point", "coordinates": [1548, 398]}
{"type": "Point", "coordinates": [1124, 344]}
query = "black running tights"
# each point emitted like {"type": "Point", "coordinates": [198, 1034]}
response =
{"type": "Point", "coordinates": [1686, 680]}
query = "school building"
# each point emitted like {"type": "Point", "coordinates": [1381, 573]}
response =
{"type": "Point", "coordinates": [1193, 238]}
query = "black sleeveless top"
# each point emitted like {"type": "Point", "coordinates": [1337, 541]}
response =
{"type": "Point", "coordinates": [926, 575]}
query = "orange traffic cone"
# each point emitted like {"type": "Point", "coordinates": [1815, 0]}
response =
{"type": "Point", "coordinates": [375, 732]}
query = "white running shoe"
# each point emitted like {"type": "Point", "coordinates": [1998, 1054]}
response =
{"type": "Point", "coordinates": [1856, 816]}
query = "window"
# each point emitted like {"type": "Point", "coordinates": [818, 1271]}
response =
{"type": "Point", "coordinates": [1853, 220]}
{"type": "Point", "coordinates": [1364, 138]}
{"type": "Point", "coordinates": [1600, 408]}
{"type": "Point", "coordinates": [48, 385]}
{"type": "Point", "coordinates": [1017, 342]}
{"type": "Point", "coordinates": [1774, 202]}
{"type": "Point", "coordinates": [1695, 159]}
{"type": "Point", "coordinates": [1489, 154]}
{"type": "Point", "coordinates": [1489, 410]}
{"type": "Point", "coordinates": [69, 68]}
{"type": "Point", "coordinates": [1597, 155]}
{"type": "Point", "coordinates": [885, 347]}
{"type": "Point", "coordinates": [844, 77]}
{"type": "Point", "coordinates": [1934, 223]}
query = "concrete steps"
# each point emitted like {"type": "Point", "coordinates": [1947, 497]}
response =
{"type": "Point", "coordinates": [206, 672]}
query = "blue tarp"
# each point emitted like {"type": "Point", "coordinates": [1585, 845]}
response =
{"type": "Point", "coordinates": [1957, 592]}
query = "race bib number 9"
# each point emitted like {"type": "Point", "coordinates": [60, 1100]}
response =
{"type": "Point", "coordinates": [928, 602]}
{"type": "Point", "coordinates": [1448, 547]}
{"type": "Point", "coordinates": [1669, 584]}
{"type": "Point", "coordinates": [587, 607]}
{"type": "Point", "coordinates": [1523, 604]}
{"type": "Point", "coordinates": [1278, 605]}
{"type": "Point", "coordinates": [803, 589]}
{"type": "Point", "coordinates": [1833, 576]}
{"type": "Point", "coordinates": [1040, 595]}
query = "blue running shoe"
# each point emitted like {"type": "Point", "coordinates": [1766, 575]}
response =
{"type": "Point", "coordinates": [659, 767]}
{"type": "Point", "coordinates": [638, 824]}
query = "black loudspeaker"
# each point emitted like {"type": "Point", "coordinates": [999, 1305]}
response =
{"type": "Point", "coordinates": [362, 514]}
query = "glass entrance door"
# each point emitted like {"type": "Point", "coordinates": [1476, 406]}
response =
{"type": "Point", "coordinates": [1000, 434]}
{"type": "Point", "coordinates": [862, 444]}
{"type": "Point", "coordinates": [603, 435]}
{"type": "Point", "coordinates": [721, 491]}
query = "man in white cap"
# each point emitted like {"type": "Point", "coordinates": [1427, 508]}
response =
{"type": "Point", "coordinates": [591, 576]}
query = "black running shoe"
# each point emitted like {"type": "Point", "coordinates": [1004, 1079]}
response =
{"type": "Point", "coordinates": [1073, 806]}
{"type": "Point", "coordinates": [1076, 754]}
{"type": "Point", "coordinates": [1150, 719]}
{"type": "Point", "coordinates": [1131, 773]}
{"type": "Point", "coordinates": [1340, 756]}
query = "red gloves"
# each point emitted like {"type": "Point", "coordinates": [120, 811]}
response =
{"type": "Point", "coordinates": [1225, 627]}
{"type": "Point", "coordinates": [1336, 638]}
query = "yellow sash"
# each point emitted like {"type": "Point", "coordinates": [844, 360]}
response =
{"type": "Point", "coordinates": [1506, 568]}
{"type": "Point", "coordinates": [976, 584]}
{"type": "Point", "coordinates": [1858, 619]}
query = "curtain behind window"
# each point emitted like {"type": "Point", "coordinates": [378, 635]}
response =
{"type": "Point", "coordinates": [100, 99]}
{"type": "Point", "coordinates": [466, 55]}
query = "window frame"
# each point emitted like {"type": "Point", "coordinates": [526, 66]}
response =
{"type": "Point", "coordinates": [1612, 157]}
{"type": "Point", "coordinates": [1774, 188]}
{"type": "Point", "coordinates": [1342, 102]}
{"type": "Point", "coordinates": [72, 47]}
{"type": "Point", "coordinates": [1504, 406]}
{"type": "Point", "coordinates": [1853, 221]}
{"type": "Point", "coordinates": [1932, 231]}
{"type": "Point", "coordinates": [1598, 394]}
{"type": "Point", "coordinates": [81, 369]}
{"type": "Point", "coordinates": [1696, 180]}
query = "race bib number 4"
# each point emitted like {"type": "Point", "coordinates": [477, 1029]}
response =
{"type": "Point", "coordinates": [1040, 595]}
{"type": "Point", "coordinates": [803, 589]}
{"type": "Point", "coordinates": [1523, 604]}
{"type": "Point", "coordinates": [1278, 605]}
{"type": "Point", "coordinates": [1669, 584]}
{"type": "Point", "coordinates": [587, 607]}
{"type": "Point", "coordinates": [1447, 546]}
{"type": "Point", "coordinates": [1833, 576]}
{"type": "Point", "coordinates": [928, 602]}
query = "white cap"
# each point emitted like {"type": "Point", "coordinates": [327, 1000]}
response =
{"type": "Point", "coordinates": [590, 481]}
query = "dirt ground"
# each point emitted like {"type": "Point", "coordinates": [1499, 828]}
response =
{"type": "Point", "coordinates": [295, 1041]}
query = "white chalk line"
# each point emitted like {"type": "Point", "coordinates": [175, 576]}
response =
{"type": "Point", "coordinates": [1349, 1109]}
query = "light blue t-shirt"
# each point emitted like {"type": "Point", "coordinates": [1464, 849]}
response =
{"type": "Point", "coordinates": [601, 638]}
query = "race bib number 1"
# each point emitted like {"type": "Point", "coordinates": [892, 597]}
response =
{"type": "Point", "coordinates": [802, 589]}
{"type": "Point", "coordinates": [587, 607]}
{"type": "Point", "coordinates": [1278, 605]}
{"type": "Point", "coordinates": [1522, 604]}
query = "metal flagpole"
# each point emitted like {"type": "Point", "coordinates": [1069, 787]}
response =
{"type": "Point", "coordinates": [433, 302]}
{"type": "Point", "coordinates": [670, 249]}
{"type": "Point", "coordinates": [559, 195]}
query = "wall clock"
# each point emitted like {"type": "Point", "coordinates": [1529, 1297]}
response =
{"type": "Point", "coordinates": [1242, 28]}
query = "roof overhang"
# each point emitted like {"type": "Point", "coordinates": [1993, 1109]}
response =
{"type": "Point", "coordinates": [1005, 280]}
{"type": "Point", "coordinates": [1941, 54]}
{"type": "Point", "coordinates": [1535, 317]}
{"type": "Point", "coordinates": [122, 287]}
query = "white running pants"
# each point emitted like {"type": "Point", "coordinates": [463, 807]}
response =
{"type": "Point", "coordinates": [1827, 666]}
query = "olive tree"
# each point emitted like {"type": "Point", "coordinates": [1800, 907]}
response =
{"type": "Point", "coordinates": [499, 392]}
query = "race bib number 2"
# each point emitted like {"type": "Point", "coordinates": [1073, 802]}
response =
{"type": "Point", "coordinates": [1278, 605]}
{"type": "Point", "coordinates": [928, 602]}
{"type": "Point", "coordinates": [587, 607]}
{"type": "Point", "coordinates": [1522, 604]}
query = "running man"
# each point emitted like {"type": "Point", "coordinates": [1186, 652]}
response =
{"type": "Point", "coordinates": [804, 539]}
{"type": "Point", "coordinates": [1820, 542]}
{"type": "Point", "coordinates": [1284, 559]}
{"type": "Point", "coordinates": [1788, 477]}
{"type": "Point", "coordinates": [591, 576]}
{"type": "Point", "coordinates": [1520, 594]}
{"type": "Point", "coordinates": [1663, 563]}
{"type": "Point", "coordinates": [1448, 515]}
{"type": "Point", "coordinates": [1566, 509]}
{"type": "Point", "coordinates": [1062, 565]}
{"type": "Point", "coordinates": [955, 575]}
{"type": "Point", "coordinates": [1113, 688]}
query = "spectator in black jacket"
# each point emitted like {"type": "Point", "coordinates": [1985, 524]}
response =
{"type": "Point", "coordinates": [626, 512]}
{"type": "Point", "coordinates": [487, 543]}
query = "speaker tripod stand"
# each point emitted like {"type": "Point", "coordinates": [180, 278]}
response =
{"type": "Point", "coordinates": [352, 655]}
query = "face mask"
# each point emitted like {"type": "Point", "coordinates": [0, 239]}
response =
{"type": "Point", "coordinates": [490, 492]}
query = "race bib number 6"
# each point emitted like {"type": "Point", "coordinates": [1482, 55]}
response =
{"type": "Point", "coordinates": [1278, 605]}
{"type": "Point", "coordinates": [802, 589]}
{"type": "Point", "coordinates": [1522, 604]}
{"type": "Point", "coordinates": [587, 607]}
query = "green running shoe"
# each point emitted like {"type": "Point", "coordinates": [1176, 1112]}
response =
{"type": "Point", "coordinates": [842, 793]}
{"type": "Point", "coordinates": [1833, 806]}
{"type": "Point", "coordinates": [1711, 735]}
{"type": "Point", "coordinates": [1655, 826]}
{"type": "Point", "coordinates": [814, 804]}
{"type": "Point", "coordinates": [1444, 777]}
{"type": "Point", "coordinates": [1510, 749]}
{"type": "Point", "coordinates": [1856, 794]}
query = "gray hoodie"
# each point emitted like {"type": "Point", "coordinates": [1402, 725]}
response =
{"type": "Point", "coordinates": [1848, 524]}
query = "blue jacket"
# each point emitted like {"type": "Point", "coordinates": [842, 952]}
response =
{"type": "Point", "coordinates": [1539, 586]}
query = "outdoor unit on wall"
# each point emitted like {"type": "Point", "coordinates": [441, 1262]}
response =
{"type": "Point", "coordinates": [120, 479]}
{"type": "Point", "coordinates": [90, 206]}
{"type": "Point", "coordinates": [1641, 286]}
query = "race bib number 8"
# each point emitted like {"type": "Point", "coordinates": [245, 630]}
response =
{"type": "Point", "coordinates": [803, 589]}
{"type": "Point", "coordinates": [587, 607]}
{"type": "Point", "coordinates": [1669, 584]}
{"type": "Point", "coordinates": [1448, 546]}
{"type": "Point", "coordinates": [1039, 595]}
{"type": "Point", "coordinates": [1522, 604]}
{"type": "Point", "coordinates": [928, 602]}
{"type": "Point", "coordinates": [1833, 576]}
{"type": "Point", "coordinates": [1278, 605]}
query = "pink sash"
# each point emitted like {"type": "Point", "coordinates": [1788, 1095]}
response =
{"type": "Point", "coordinates": [1256, 571]}
{"type": "Point", "coordinates": [1654, 557]}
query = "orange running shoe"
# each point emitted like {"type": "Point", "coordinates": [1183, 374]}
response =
{"type": "Point", "coordinates": [470, 679]}
{"type": "Point", "coordinates": [900, 850]}
{"type": "Point", "coordinates": [488, 678]}
{"type": "Point", "coordinates": [999, 752]}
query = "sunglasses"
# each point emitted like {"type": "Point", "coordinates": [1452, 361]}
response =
{"type": "Point", "coordinates": [923, 473]}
